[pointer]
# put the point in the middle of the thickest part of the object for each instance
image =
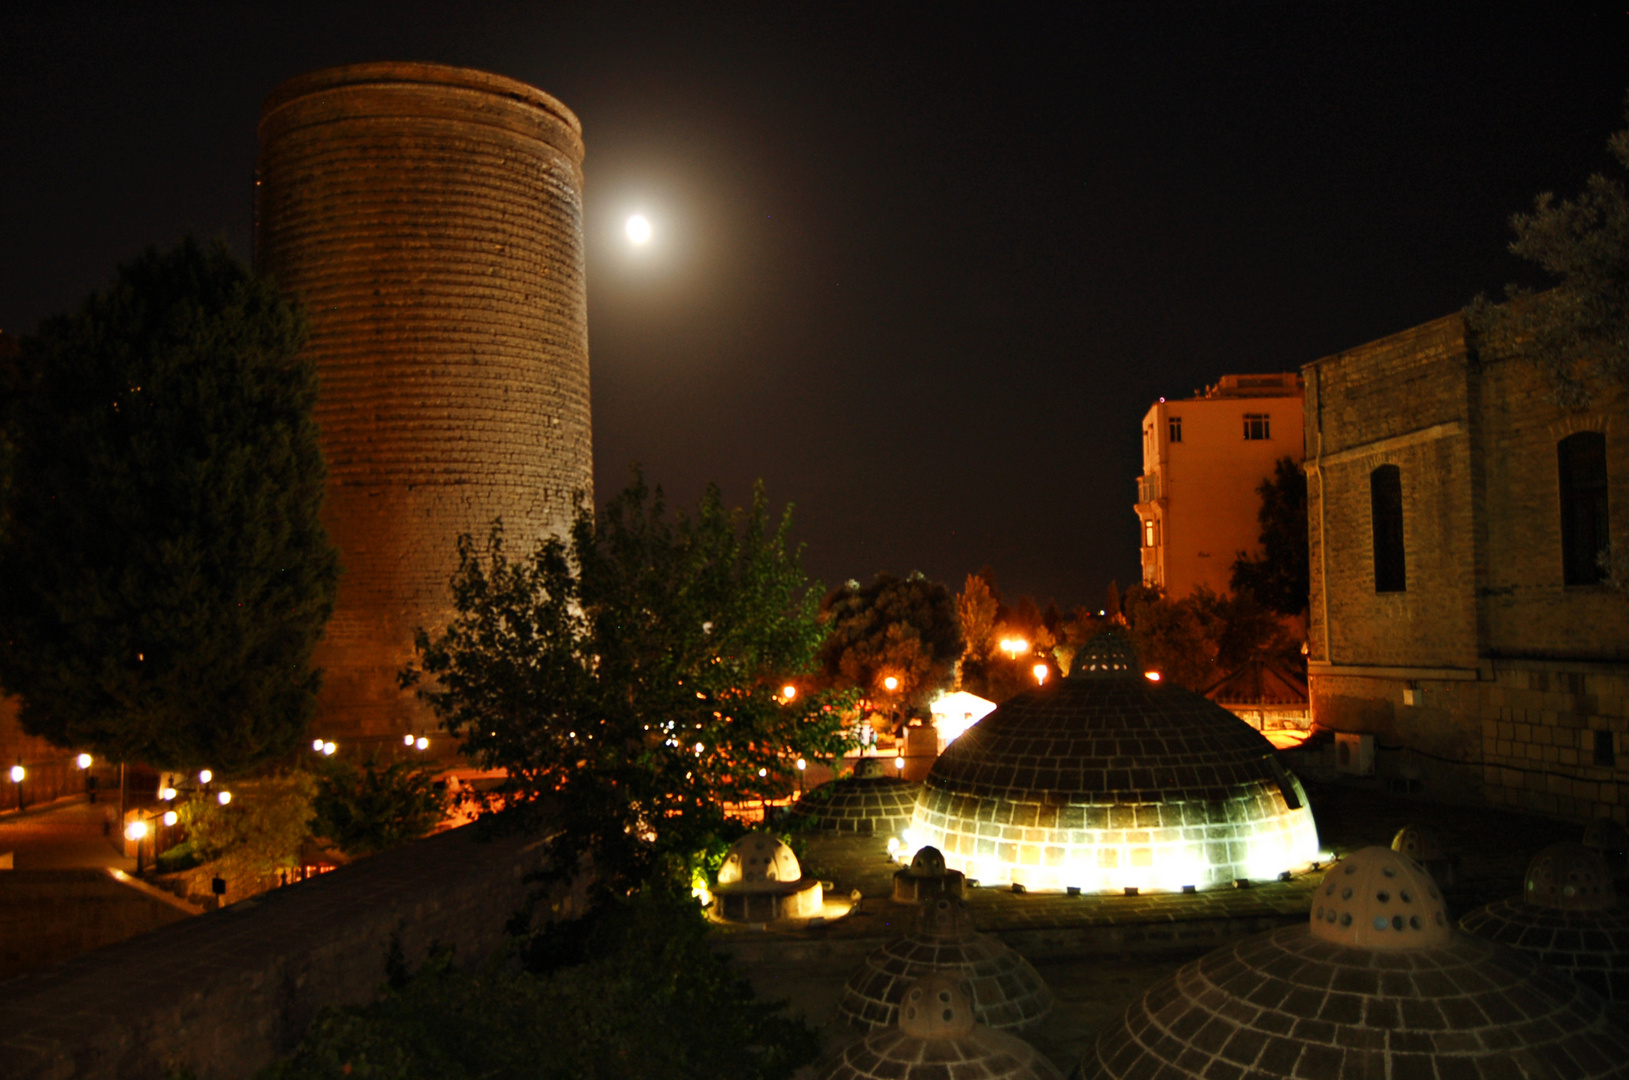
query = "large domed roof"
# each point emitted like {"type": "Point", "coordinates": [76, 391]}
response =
{"type": "Point", "coordinates": [1108, 751]}
{"type": "Point", "coordinates": [1404, 1002]}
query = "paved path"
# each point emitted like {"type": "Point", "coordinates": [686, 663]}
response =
{"type": "Point", "coordinates": [70, 834]}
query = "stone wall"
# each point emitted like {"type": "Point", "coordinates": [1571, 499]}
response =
{"type": "Point", "coordinates": [1489, 672]}
{"type": "Point", "coordinates": [224, 994]}
{"type": "Point", "coordinates": [430, 219]}
{"type": "Point", "coordinates": [49, 915]}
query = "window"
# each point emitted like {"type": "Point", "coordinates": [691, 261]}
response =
{"type": "Point", "coordinates": [1386, 512]}
{"type": "Point", "coordinates": [1256, 426]}
{"type": "Point", "coordinates": [1604, 750]}
{"type": "Point", "coordinates": [1176, 428]}
{"type": "Point", "coordinates": [1583, 506]}
{"type": "Point", "coordinates": [1148, 533]}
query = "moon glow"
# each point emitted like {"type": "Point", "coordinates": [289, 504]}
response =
{"type": "Point", "coordinates": [638, 229]}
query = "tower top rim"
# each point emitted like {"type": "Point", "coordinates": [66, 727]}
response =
{"type": "Point", "coordinates": [418, 73]}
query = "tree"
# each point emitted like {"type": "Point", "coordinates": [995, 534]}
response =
{"type": "Point", "coordinates": [1578, 331]}
{"type": "Point", "coordinates": [976, 611]}
{"type": "Point", "coordinates": [1281, 579]}
{"type": "Point", "coordinates": [631, 683]}
{"type": "Point", "coordinates": [255, 836]}
{"type": "Point", "coordinates": [368, 810]}
{"type": "Point", "coordinates": [906, 629]}
{"type": "Point", "coordinates": [165, 575]}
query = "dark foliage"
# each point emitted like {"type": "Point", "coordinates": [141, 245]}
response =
{"type": "Point", "coordinates": [907, 628]}
{"type": "Point", "coordinates": [165, 575]}
{"type": "Point", "coordinates": [631, 684]}
{"type": "Point", "coordinates": [366, 810]}
{"type": "Point", "coordinates": [630, 992]}
{"type": "Point", "coordinates": [1578, 331]}
{"type": "Point", "coordinates": [1281, 579]}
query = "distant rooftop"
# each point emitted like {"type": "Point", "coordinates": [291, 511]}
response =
{"type": "Point", "coordinates": [1280, 384]}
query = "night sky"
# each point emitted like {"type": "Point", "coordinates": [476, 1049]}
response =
{"type": "Point", "coordinates": [923, 276]}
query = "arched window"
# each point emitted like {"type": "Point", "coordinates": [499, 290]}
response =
{"type": "Point", "coordinates": [1583, 506]}
{"type": "Point", "coordinates": [1386, 509]}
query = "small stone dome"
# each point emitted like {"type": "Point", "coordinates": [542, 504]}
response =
{"type": "Point", "coordinates": [1419, 843]}
{"type": "Point", "coordinates": [759, 862]}
{"type": "Point", "coordinates": [1569, 877]}
{"type": "Point", "coordinates": [761, 881]}
{"type": "Point", "coordinates": [928, 861]}
{"type": "Point", "coordinates": [1006, 990]}
{"type": "Point", "coordinates": [935, 1006]}
{"type": "Point", "coordinates": [1567, 917]}
{"type": "Point", "coordinates": [875, 801]}
{"type": "Point", "coordinates": [1307, 1002]}
{"type": "Point", "coordinates": [1104, 780]}
{"type": "Point", "coordinates": [1377, 898]}
{"type": "Point", "coordinates": [938, 1036]}
{"type": "Point", "coordinates": [926, 878]}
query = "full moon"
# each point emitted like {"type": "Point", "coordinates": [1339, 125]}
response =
{"type": "Point", "coordinates": [638, 229]}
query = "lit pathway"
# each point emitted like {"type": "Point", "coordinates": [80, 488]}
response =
{"type": "Point", "coordinates": [68, 834]}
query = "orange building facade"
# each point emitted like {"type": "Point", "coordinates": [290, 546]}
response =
{"type": "Point", "coordinates": [1203, 459]}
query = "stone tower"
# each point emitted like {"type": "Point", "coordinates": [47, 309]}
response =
{"type": "Point", "coordinates": [430, 219]}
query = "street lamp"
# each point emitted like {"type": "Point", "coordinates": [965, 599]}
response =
{"type": "Point", "coordinates": [890, 684]}
{"type": "Point", "coordinates": [1014, 647]}
{"type": "Point", "coordinates": [1040, 673]}
{"type": "Point", "coordinates": [17, 774]}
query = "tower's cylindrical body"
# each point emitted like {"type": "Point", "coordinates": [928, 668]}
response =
{"type": "Point", "coordinates": [430, 220]}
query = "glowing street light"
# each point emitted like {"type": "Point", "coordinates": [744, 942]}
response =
{"type": "Point", "coordinates": [422, 743]}
{"type": "Point", "coordinates": [638, 229]}
{"type": "Point", "coordinates": [171, 817]}
{"type": "Point", "coordinates": [407, 740]}
{"type": "Point", "coordinates": [136, 830]}
{"type": "Point", "coordinates": [1014, 647]}
{"type": "Point", "coordinates": [899, 763]}
{"type": "Point", "coordinates": [18, 773]}
{"type": "Point", "coordinates": [1152, 676]}
{"type": "Point", "coordinates": [165, 794]}
{"type": "Point", "coordinates": [1040, 673]}
{"type": "Point", "coordinates": [890, 684]}
{"type": "Point", "coordinates": [789, 691]}
{"type": "Point", "coordinates": [224, 797]}
{"type": "Point", "coordinates": [83, 761]}
{"type": "Point", "coordinates": [205, 776]}
{"type": "Point", "coordinates": [328, 749]}
{"type": "Point", "coordinates": [316, 744]}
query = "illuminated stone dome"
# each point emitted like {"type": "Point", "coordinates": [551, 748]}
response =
{"type": "Point", "coordinates": [1007, 991]}
{"type": "Point", "coordinates": [761, 881]}
{"type": "Point", "coordinates": [927, 878]}
{"type": "Point", "coordinates": [938, 1036]}
{"type": "Point", "coordinates": [1105, 780]}
{"type": "Point", "coordinates": [1568, 916]}
{"type": "Point", "coordinates": [1305, 1001]}
{"type": "Point", "coordinates": [872, 802]}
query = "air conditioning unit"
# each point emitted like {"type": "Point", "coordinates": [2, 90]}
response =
{"type": "Point", "coordinates": [1354, 753]}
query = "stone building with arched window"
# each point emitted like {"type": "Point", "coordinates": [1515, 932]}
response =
{"type": "Point", "coordinates": [1463, 618]}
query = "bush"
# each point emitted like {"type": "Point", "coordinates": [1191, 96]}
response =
{"type": "Point", "coordinates": [368, 810]}
{"type": "Point", "coordinates": [629, 992]}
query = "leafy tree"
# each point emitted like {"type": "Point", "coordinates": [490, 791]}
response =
{"type": "Point", "coordinates": [636, 994]}
{"type": "Point", "coordinates": [165, 575]}
{"type": "Point", "coordinates": [631, 683]}
{"type": "Point", "coordinates": [366, 810]}
{"type": "Point", "coordinates": [259, 833]}
{"type": "Point", "coordinates": [977, 609]}
{"type": "Point", "coordinates": [905, 628]}
{"type": "Point", "coordinates": [1280, 580]}
{"type": "Point", "coordinates": [1578, 331]}
{"type": "Point", "coordinates": [1196, 640]}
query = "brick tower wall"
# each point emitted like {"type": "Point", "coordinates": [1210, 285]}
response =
{"type": "Point", "coordinates": [430, 220]}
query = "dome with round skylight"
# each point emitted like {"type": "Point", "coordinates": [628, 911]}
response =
{"type": "Point", "coordinates": [761, 881]}
{"type": "Point", "coordinates": [1349, 998]}
{"type": "Point", "coordinates": [937, 1035]}
{"type": "Point", "coordinates": [1007, 991]}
